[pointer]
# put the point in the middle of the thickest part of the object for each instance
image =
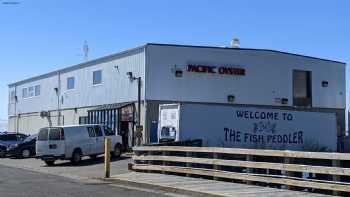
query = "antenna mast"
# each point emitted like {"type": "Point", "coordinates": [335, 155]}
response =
{"type": "Point", "coordinates": [86, 51]}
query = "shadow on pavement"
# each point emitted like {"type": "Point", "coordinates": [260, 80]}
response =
{"type": "Point", "coordinates": [88, 162]}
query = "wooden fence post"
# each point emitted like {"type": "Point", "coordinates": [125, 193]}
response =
{"type": "Point", "coordinates": [249, 170]}
{"type": "Point", "coordinates": [288, 160]}
{"type": "Point", "coordinates": [164, 163]}
{"type": "Point", "coordinates": [216, 167]}
{"type": "Point", "coordinates": [336, 163]}
{"type": "Point", "coordinates": [188, 164]}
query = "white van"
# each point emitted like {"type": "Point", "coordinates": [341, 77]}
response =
{"type": "Point", "coordinates": [74, 142]}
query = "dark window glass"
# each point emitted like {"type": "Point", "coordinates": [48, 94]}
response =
{"type": "Point", "coordinates": [83, 120]}
{"type": "Point", "coordinates": [2, 137]}
{"type": "Point", "coordinates": [55, 134]}
{"type": "Point", "coordinates": [21, 137]}
{"type": "Point", "coordinates": [91, 132]}
{"type": "Point", "coordinates": [11, 137]}
{"type": "Point", "coordinates": [98, 131]}
{"type": "Point", "coordinates": [43, 134]}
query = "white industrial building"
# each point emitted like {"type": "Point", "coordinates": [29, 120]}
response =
{"type": "Point", "coordinates": [105, 90]}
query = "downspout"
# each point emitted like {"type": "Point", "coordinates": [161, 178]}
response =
{"type": "Point", "coordinates": [58, 99]}
{"type": "Point", "coordinates": [16, 115]}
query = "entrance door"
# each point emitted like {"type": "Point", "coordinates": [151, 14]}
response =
{"type": "Point", "coordinates": [302, 94]}
{"type": "Point", "coordinates": [124, 132]}
{"type": "Point", "coordinates": [154, 132]}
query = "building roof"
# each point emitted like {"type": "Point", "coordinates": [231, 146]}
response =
{"type": "Point", "coordinates": [133, 50]}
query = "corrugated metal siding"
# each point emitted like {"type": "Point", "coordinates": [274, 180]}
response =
{"type": "Point", "coordinates": [116, 86]}
{"type": "Point", "coordinates": [47, 100]}
{"type": "Point", "coordinates": [268, 76]}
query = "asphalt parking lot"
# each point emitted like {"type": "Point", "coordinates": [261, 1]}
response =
{"type": "Point", "coordinates": [87, 169]}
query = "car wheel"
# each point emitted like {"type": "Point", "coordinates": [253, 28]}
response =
{"type": "Point", "coordinates": [25, 153]}
{"type": "Point", "coordinates": [49, 162]}
{"type": "Point", "coordinates": [117, 151]}
{"type": "Point", "coordinates": [76, 157]}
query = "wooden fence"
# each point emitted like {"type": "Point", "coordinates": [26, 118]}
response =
{"type": "Point", "coordinates": [314, 171]}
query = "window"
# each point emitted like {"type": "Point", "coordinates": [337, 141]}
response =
{"type": "Point", "coordinates": [302, 88]}
{"type": "Point", "coordinates": [70, 83]}
{"type": "Point", "coordinates": [43, 134]}
{"type": "Point", "coordinates": [55, 134]}
{"type": "Point", "coordinates": [37, 90]}
{"type": "Point", "coordinates": [97, 77]}
{"type": "Point", "coordinates": [21, 137]}
{"type": "Point", "coordinates": [98, 131]}
{"type": "Point", "coordinates": [31, 91]}
{"type": "Point", "coordinates": [11, 137]}
{"type": "Point", "coordinates": [24, 93]}
{"type": "Point", "coordinates": [91, 132]}
{"type": "Point", "coordinates": [83, 120]}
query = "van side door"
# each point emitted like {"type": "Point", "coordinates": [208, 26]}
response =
{"type": "Point", "coordinates": [99, 139]}
{"type": "Point", "coordinates": [56, 141]}
{"type": "Point", "coordinates": [91, 141]}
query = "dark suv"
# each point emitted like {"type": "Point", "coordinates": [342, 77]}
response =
{"type": "Point", "coordinates": [9, 138]}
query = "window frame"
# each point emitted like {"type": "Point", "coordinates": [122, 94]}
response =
{"type": "Point", "coordinates": [24, 93]}
{"type": "Point", "coordinates": [31, 91]}
{"type": "Point", "coordinates": [93, 77]}
{"type": "Point", "coordinates": [67, 81]}
{"type": "Point", "coordinates": [37, 87]}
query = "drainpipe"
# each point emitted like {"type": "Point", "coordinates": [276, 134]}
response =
{"type": "Point", "coordinates": [58, 92]}
{"type": "Point", "coordinates": [16, 115]}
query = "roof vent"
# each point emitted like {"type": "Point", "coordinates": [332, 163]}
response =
{"type": "Point", "coordinates": [235, 43]}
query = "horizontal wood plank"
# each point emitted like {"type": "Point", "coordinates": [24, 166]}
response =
{"type": "Point", "coordinates": [250, 164]}
{"type": "Point", "coordinates": [246, 177]}
{"type": "Point", "coordinates": [240, 151]}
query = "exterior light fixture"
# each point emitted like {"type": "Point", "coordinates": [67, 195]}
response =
{"type": "Point", "coordinates": [284, 101]}
{"type": "Point", "coordinates": [130, 76]}
{"type": "Point", "coordinates": [324, 83]}
{"type": "Point", "coordinates": [230, 98]}
{"type": "Point", "coordinates": [178, 73]}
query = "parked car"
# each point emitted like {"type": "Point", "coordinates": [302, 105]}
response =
{"type": "Point", "coordinates": [9, 138]}
{"type": "Point", "coordinates": [2, 151]}
{"type": "Point", "coordinates": [23, 149]}
{"type": "Point", "coordinates": [74, 142]}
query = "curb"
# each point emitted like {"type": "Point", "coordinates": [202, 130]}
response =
{"type": "Point", "coordinates": [159, 187]}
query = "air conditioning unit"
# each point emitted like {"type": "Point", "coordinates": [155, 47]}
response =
{"type": "Point", "coordinates": [44, 114]}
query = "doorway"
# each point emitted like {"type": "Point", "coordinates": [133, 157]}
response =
{"type": "Point", "coordinates": [302, 94]}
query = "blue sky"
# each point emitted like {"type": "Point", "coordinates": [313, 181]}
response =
{"type": "Point", "coordinates": [38, 36]}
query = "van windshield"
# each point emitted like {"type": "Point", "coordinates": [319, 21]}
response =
{"type": "Point", "coordinates": [43, 134]}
